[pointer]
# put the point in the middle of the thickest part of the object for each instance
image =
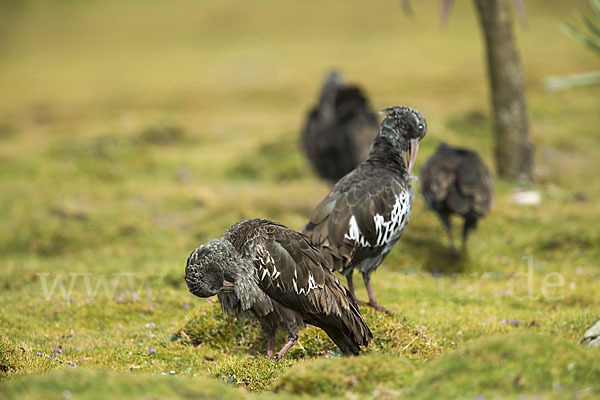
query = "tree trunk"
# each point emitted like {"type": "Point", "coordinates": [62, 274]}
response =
{"type": "Point", "coordinates": [514, 151]}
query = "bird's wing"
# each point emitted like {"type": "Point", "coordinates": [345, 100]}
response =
{"type": "Point", "coordinates": [370, 211]}
{"type": "Point", "coordinates": [474, 181]}
{"type": "Point", "coordinates": [438, 176]}
{"type": "Point", "coordinates": [365, 209]}
{"type": "Point", "coordinates": [292, 272]}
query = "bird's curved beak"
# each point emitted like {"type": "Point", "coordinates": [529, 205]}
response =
{"type": "Point", "coordinates": [412, 154]}
{"type": "Point", "coordinates": [227, 287]}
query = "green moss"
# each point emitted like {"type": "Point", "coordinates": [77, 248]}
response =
{"type": "Point", "coordinates": [252, 372]}
{"type": "Point", "coordinates": [16, 360]}
{"type": "Point", "coordinates": [523, 363]}
{"type": "Point", "coordinates": [394, 333]}
{"type": "Point", "coordinates": [210, 326]}
{"type": "Point", "coordinates": [163, 133]}
{"type": "Point", "coordinates": [277, 160]}
{"type": "Point", "coordinates": [84, 383]}
{"type": "Point", "coordinates": [10, 361]}
{"type": "Point", "coordinates": [361, 375]}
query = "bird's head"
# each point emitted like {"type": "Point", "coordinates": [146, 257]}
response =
{"type": "Point", "coordinates": [333, 81]}
{"type": "Point", "coordinates": [404, 127]}
{"type": "Point", "coordinates": [204, 269]}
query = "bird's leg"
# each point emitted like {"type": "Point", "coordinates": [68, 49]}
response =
{"type": "Point", "coordinates": [448, 226]}
{"type": "Point", "coordinates": [270, 343]}
{"type": "Point", "coordinates": [470, 223]}
{"type": "Point", "coordinates": [351, 287]}
{"type": "Point", "coordinates": [372, 302]}
{"type": "Point", "coordinates": [291, 341]}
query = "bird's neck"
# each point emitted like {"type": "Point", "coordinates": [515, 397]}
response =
{"type": "Point", "coordinates": [239, 270]}
{"type": "Point", "coordinates": [232, 260]}
{"type": "Point", "coordinates": [385, 155]}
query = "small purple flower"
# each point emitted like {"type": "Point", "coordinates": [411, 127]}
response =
{"type": "Point", "coordinates": [148, 292]}
{"type": "Point", "coordinates": [78, 349]}
{"type": "Point", "coordinates": [186, 306]}
{"type": "Point", "coordinates": [58, 351]}
{"type": "Point", "coordinates": [451, 343]}
{"type": "Point", "coordinates": [504, 322]}
{"type": "Point", "coordinates": [425, 336]}
{"type": "Point", "coordinates": [134, 296]}
{"type": "Point", "coordinates": [480, 397]}
{"type": "Point", "coordinates": [72, 364]}
{"type": "Point", "coordinates": [70, 299]}
{"type": "Point", "coordinates": [53, 354]}
{"type": "Point", "coordinates": [150, 306]}
{"type": "Point", "coordinates": [151, 351]}
{"type": "Point", "coordinates": [150, 325]}
{"type": "Point", "coordinates": [38, 354]}
{"type": "Point", "coordinates": [558, 387]}
{"type": "Point", "coordinates": [515, 322]}
{"type": "Point", "coordinates": [120, 298]}
{"type": "Point", "coordinates": [419, 327]}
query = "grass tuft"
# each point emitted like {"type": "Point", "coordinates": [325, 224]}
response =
{"type": "Point", "coordinates": [99, 384]}
{"type": "Point", "coordinates": [210, 326]}
{"type": "Point", "coordinates": [520, 363]}
{"type": "Point", "coordinates": [336, 376]}
{"type": "Point", "coordinates": [162, 134]}
{"type": "Point", "coordinates": [10, 362]}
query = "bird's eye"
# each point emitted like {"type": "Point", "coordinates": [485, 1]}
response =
{"type": "Point", "coordinates": [420, 127]}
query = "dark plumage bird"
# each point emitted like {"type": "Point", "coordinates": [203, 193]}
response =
{"type": "Point", "coordinates": [263, 269]}
{"type": "Point", "coordinates": [339, 130]}
{"type": "Point", "coordinates": [359, 221]}
{"type": "Point", "coordinates": [456, 181]}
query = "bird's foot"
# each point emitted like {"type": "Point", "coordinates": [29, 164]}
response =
{"type": "Point", "coordinates": [379, 307]}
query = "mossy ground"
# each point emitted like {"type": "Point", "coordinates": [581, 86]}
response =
{"type": "Point", "coordinates": [131, 132]}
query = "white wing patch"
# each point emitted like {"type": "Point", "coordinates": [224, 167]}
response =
{"type": "Point", "coordinates": [268, 267]}
{"type": "Point", "coordinates": [267, 263]}
{"type": "Point", "coordinates": [355, 234]}
{"type": "Point", "coordinates": [311, 285]}
{"type": "Point", "coordinates": [386, 231]}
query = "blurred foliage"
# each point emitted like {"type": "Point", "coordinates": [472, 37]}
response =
{"type": "Point", "coordinates": [279, 160]}
{"type": "Point", "coordinates": [588, 34]}
{"type": "Point", "coordinates": [99, 384]}
{"type": "Point", "coordinates": [161, 134]}
{"type": "Point", "coordinates": [589, 23]}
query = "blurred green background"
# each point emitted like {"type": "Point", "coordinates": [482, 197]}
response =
{"type": "Point", "coordinates": [133, 131]}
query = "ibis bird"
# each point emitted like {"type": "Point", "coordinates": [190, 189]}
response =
{"type": "Point", "coordinates": [456, 181]}
{"type": "Point", "coordinates": [356, 225]}
{"type": "Point", "coordinates": [263, 269]}
{"type": "Point", "coordinates": [339, 130]}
